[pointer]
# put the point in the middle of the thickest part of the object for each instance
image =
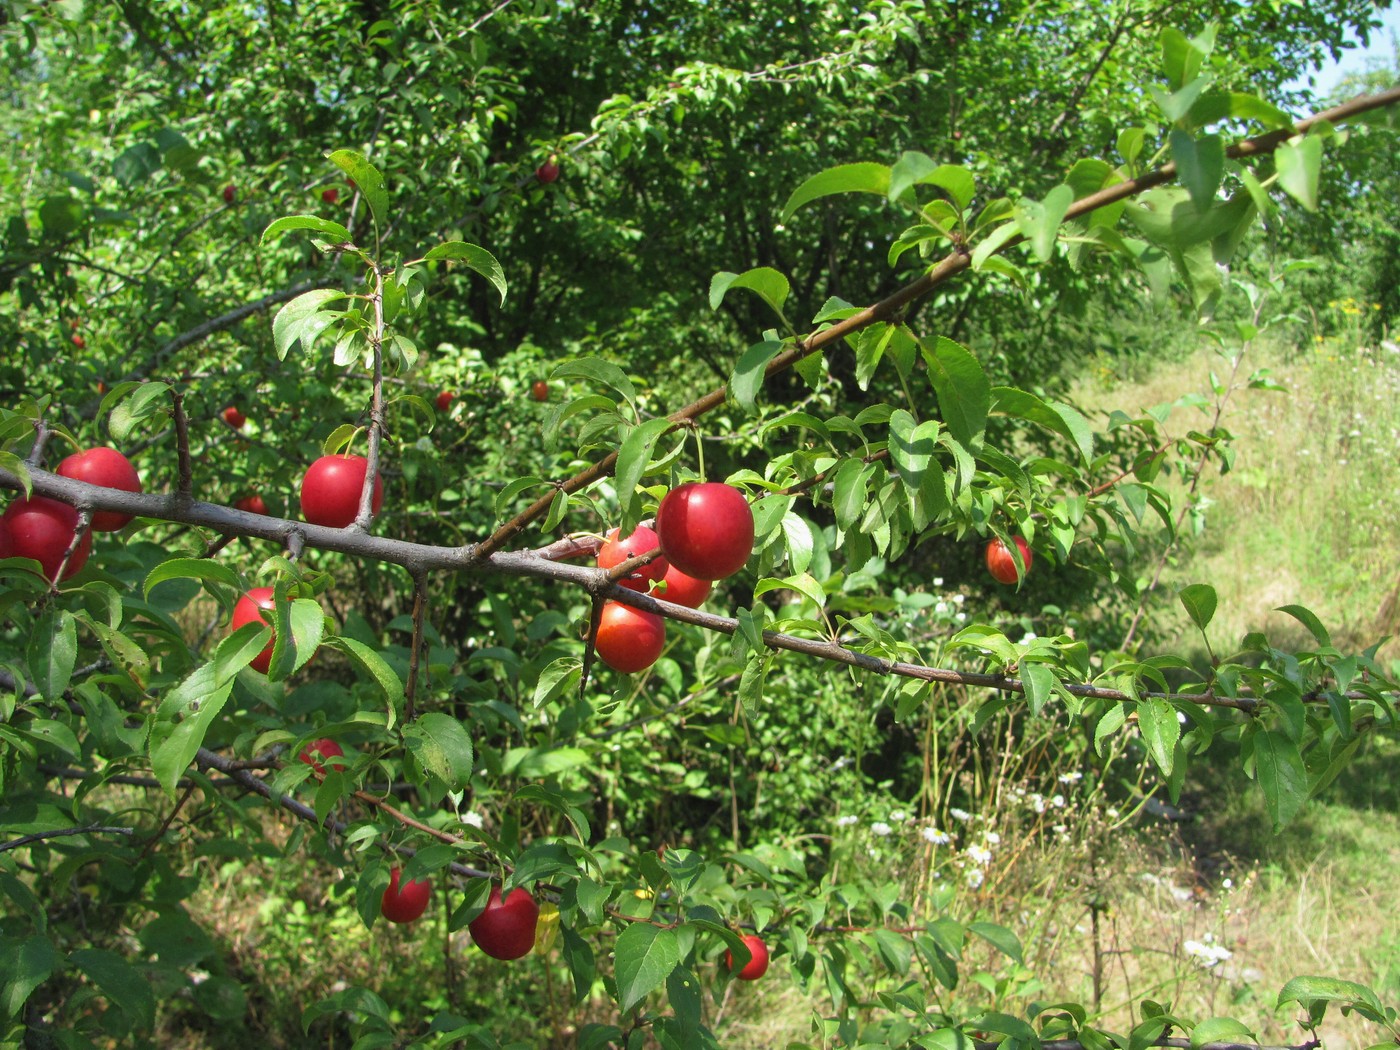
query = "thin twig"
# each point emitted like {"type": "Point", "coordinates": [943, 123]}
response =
{"type": "Point", "coordinates": [91, 829]}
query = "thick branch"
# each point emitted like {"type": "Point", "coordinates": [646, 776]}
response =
{"type": "Point", "coordinates": [420, 558]}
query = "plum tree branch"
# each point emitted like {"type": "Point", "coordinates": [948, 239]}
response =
{"type": "Point", "coordinates": [423, 558]}
{"type": "Point", "coordinates": [947, 268]}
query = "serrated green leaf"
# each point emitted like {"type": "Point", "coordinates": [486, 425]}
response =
{"type": "Point", "coordinates": [845, 178]}
{"type": "Point", "coordinates": [1200, 601]}
{"type": "Point", "coordinates": [122, 984]}
{"type": "Point", "coordinates": [1282, 776]}
{"type": "Point", "coordinates": [964, 394]}
{"type": "Point", "coordinates": [1160, 731]}
{"type": "Point", "coordinates": [1299, 169]}
{"type": "Point", "coordinates": [644, 957]}
{"type": "Point", "coordinates": [332, 231]}
{"type": "Point", "coordinates": [749, 371]}
{"type": "Point", "coordinates": [478, 259]}
{"type": "Point", "coordinates": [764, 281]}
{"type": "Point", "coordinates": [442, 747]}
{"type": "Point", "coordinates": [367, 177]}
{"type": "Point", "coordinates": [598, 371]}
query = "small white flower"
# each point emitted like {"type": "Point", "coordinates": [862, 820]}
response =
{"type": "Point", "coordinates": [960, 815]}
{"type": "Point", "coordinates": [979, 854]}
{"type": "Point", "coordinates": [1038, 802]}
{"type": "Point", "coordinates": [975, 878]}
{"type": "Point", "coordinates": [958, 599]}
{"type": "Point", "coordinates": [1207, 954]}
{"type": "Point", "coordinates": [940, 607]}
{"type": "Point", "coordinates": [938, 581]}
{"type": "Point", "coordinates": [1071, 778]}
{"type": "Point", "coordinates": [1060, 829]}
{"type": "Point", "coordinates": [880, 828]}
{"type": "Point", "coordinates": [474, 819]}
{"type": "Point", "coordinates": [993, 839]}
{"type": "Point", "coordinates": [899, 815]}
{"type": "Point", "coordinates": [961, 617]}
{"type": "Point", "coordinates": [1058, 802]}
{"type": "Point", "coordinates": [1112, 812]}
{"type": "Point", "coordinates": [938, 838]}
{"type": "Point", "coordinates": [846, 821]}
{"type": "Point", "coordinates": [1228, 883]}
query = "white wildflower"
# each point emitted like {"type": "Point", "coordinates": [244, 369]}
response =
{"type": "Point", "coordinates": [993, 838]}
{"type": "Point", "coordinates": [474, 819]}
{"type": "Point", "coordinates": [899, 815]}
{"type": "Point", "coordinates": [938, 838]}
{"type": "Point", "coordinates": [1207, 954]}
{"type": "Point", "coordinates": [975, 878]}
{"type": "Point", "coordinates": [961, 815]}
{"type": "Point", "coordinates": [980, 854]}
{"type": "Point", "coordinates": [846, 822]}
{"type": "Point", "coordinates": [880, 828]}
{"type": "Point", "coordinates": [1058, 802]}
{"type": "Point", "coordinates": [1071, 778]}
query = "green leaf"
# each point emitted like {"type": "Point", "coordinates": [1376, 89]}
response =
{"type": "Point", "coordinates": [634, 456]}
{"type": "Point", "coordinates": [1160, 731]}
{"type": "Point", "coordinates": [1309, 620]}
{"type": "Point", "coordinates": [764, 281]}
{"type": "Point", "coordinates": [1299, 167]}
{"type": "Point", "coordinates": [442, 747]}
{"type": "Point", "coordinates": [53, 653]}
{"type": "Point", "coordinates": [146, 400]}
{"type": "Point", "coordinates": [206, 570]}
{"type": "Point", "coordinates": [1200, 163]}
{"type": "Point", "coordinates": [1221, 1030]}
{"type": "Point", "coordinates": [750, 370]}
{"type": "Point", "coordinates": [578, 956]}
{"type": "Point", "coordinates": [119, 981]}
{"type": "Point", "coordinates": [478, 259]}
{"type": "Point", "coordinates": [61, 215]}
{"type": "Point", "coordinates": [912, 448]}
{"type": "Point", "coordinates": [1039, 221]}
{"type": "Point", "coordinates": [751, 682]}
{"type": "Point", "coordinates": [367, 178]}
{"type": "Point", "coordinates": [1314, 993]}
{"type": "Point", "coordinates": [644, 957]}
{"type": "Point", "coordinates": [597, 370]}
{"type": "Point", "coordinates": [136, 164]}
{"type": "Point", "coordinates": [1039, 682]}
{"type": "Point", "coordinates": [1199, 600]}
{"type": "Point", "coordinates": [964, 394]}
{"type": "Point", "coordinates": [1282, 776]}
{"type": "Point", "coordinates": [331, 231]}
{"type": "Point", "coordinates": [1000, 938]}
{"type": "Point", "coordinates": [377, 668]}
{"type": "Point", "coordinates": [845, 178]}
{"type": "Point", "coordinates": [302, 319]}
{"type": "Point", "coordinates": [197, 701]}
{"type": "Point", "coordinates": [24, 965]}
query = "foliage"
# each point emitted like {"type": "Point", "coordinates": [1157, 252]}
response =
{"type": "Point", "coordinates": [173, 250]}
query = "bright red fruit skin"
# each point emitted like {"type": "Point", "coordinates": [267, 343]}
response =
{"type": "Point", "coordinates": [253, 504]}
{"type": "Point", "coordinates": [229, 193]}
{"type": "Point", "coordinates": [80, 342]}
{"type": "Point", "coordinates": [683, 589]}
{"type": "Point", "coordinates": [234, 418]}
{"type": "Point", "coordinates": [406, 904]}
{"type": "Point", "coordinates": [757, 966]}
{"type": "Point", "coordinates": [615, 551]}
{"type": "Point", "coordinates": [443, 400]}
{"type": "Point", "coordinates": [706, 529]}
{"type": "Point", "coordinates": [325, 748]}
{"type": "Point", "coordinates": [248, 609]}
{"type": "Point", "coordinates": [539, 390]}
{"type": "Point", "coordinates": [629, 639]}
{"type": "Point", "coordinates": [106, 467]}
{"type": "Point", "coordinates": [331, 195]}
{"type": "Point", "coordinates": [42, 528]}
{"type": "Point", "coordinates": [506, 928]}
{"type": "Point", "coordinates": [330, 490]}
{"type": "Point", "coordinates": [1001, 564]}
{"type": "Point", "coordinates": [547, 172]}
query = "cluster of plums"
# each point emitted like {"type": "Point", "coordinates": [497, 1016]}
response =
{"type": "Point", "coordinates": [705, 533]}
